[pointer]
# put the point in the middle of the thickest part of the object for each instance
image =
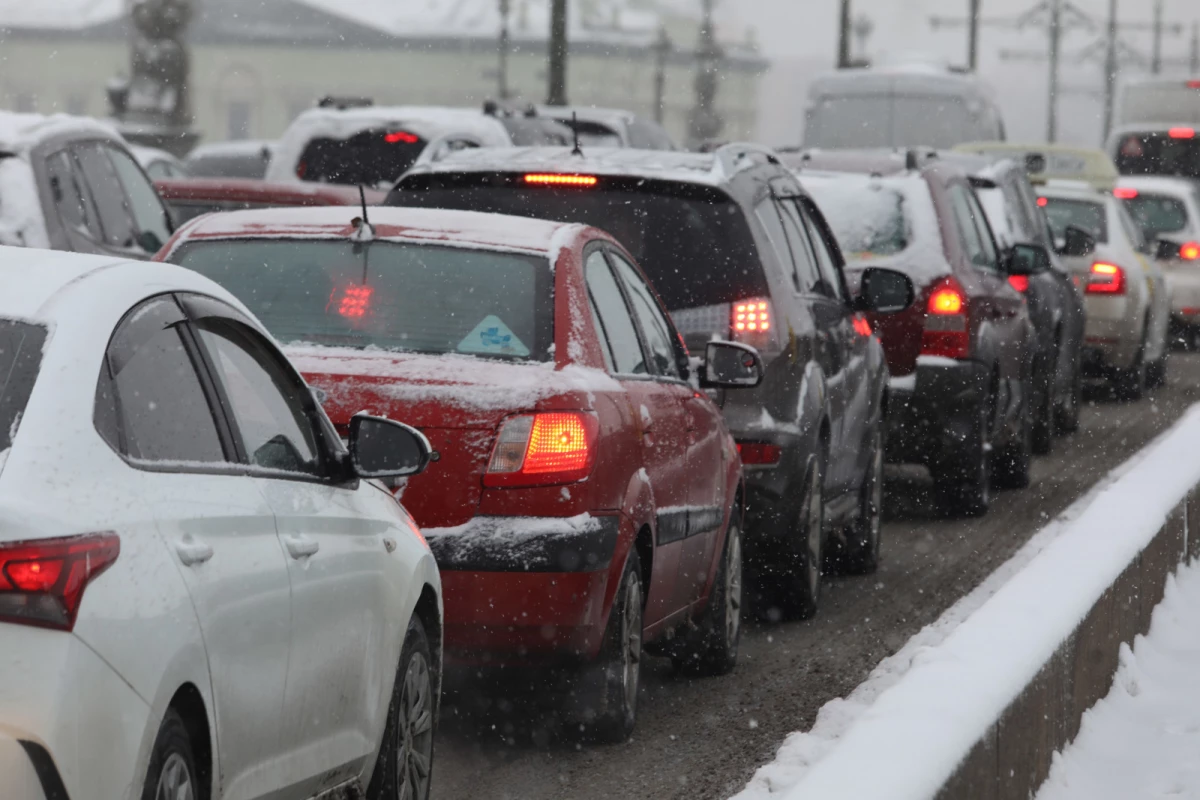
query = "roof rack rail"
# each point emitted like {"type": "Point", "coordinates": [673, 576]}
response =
{"type": "Point", "coordinates": [342, 103]}
{"type": "Point", "coordinates": [733, 157]}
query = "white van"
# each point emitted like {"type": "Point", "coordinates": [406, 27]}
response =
{"type": "Point", "coordinates": [1157, 127]}
{"type": "Point", "coordinates": [909, 106]}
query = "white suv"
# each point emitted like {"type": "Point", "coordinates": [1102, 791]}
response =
{"type": "Point", "coordinates": [202, 593]}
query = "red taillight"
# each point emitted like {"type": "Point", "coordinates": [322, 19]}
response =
{"type": "Point", "coordinates": [1125, 193]}
{"type": "Point", "coordinates": [543, 450]}
{"type": "Point", "coordinates": [42, 582]}
{"type": "Point", "coordinates": [401, 137]}
{"type": "Point", "coordinates": [351, 301]}
{"type": "Point", "coordinates": [1043, 202]}
{"type": "Point", "coordinates": [1182, 133]}
{"type": "Point", "coordinates": [1106, 278]}
{"type": "Point", "coordinates": [947, 332]}
{"type": "Point", "coordinates": [1190, 251]}
{"type": "Point", "coordinates": [561, 180]}
{"type": "Point", "coordinates": [1019, 282]}
{"type": "Point", "coordinates": [861, 326]}
{"type": "Point", "coordinates": [750, 317]}
{"type": "Point", "coordinates": [756, 454]}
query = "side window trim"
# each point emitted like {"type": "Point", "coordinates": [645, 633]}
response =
{"type": "Point", "coordinates": [602, 248]}
{"type": "Point", "coordinates": [816, 223]}
{"type": "Point", "coordinates": [594, 309]}
{"type": "Point", "coordinates": [673, 335]}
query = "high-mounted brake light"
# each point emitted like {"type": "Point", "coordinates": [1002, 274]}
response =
{"type": "Point", "coordinates": [543, 449]}
{"type": "Point", "coordinates": [1106, 278]}
{"type": "Point", "coordinates": [401, 137]}
{"type": "Point", "coordinates": [351, 301]}
{"type": "Point", "coordinates": [751, 316]}
{"type": "Point", "coordinates": [1190, 251]}
{"type": "Point", "coordinates": [1125, 193]}
{"type": "Point", "coordinates": [1182, 133]}
{"type": "Point", "coordinates": [947, 332]}
{"type": "Point", "coordinates": [42, 581]}
{"type": "Point", "coordinates": [1042, 202]}
{"type": "Point", "coordinates": [561, 180]}
{"type": "Point", "coordinates": [1019, 282]}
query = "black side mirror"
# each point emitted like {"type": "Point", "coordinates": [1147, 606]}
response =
{"type": "Point", "coordinates": [1078, 243]}
{"type": "Point", "coordinates": [1165, 250]}
{"type": "Point", "coordinates": [884, 291]}
{"type": "Point", "coordinates": [149, 241]}
{"type": "Point", "coordinates": [1028, 259]}
{"type": "Point", "coordinates": [730, 365]}
{"type": "Point", "coordinates": [381, 448]}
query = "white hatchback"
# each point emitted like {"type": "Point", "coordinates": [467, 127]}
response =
{"type": "Point", "coordinates": [203, 594]}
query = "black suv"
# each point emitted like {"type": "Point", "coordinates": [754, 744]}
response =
{"type": "Point", "coordinates": [737, 250]}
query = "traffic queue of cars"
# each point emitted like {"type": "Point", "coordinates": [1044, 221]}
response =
{"type": "Point", "coordinates": [545, 410]}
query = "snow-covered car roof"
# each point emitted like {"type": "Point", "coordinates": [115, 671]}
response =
{"type": "Point", "coordinates": [429, 226]}
{"type": "Point", "coordinates": [20, 133]}
{"type": "Point", "coordinates": [428, 122]}
{"type": "Point", "coordinates": [702, 168]}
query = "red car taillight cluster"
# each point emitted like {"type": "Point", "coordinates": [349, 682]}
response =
{"type": "Point", "coordinates": [947, 321]}
{"type": "Point", "coordinates": [1106, 279]}
{"type": "Point", "coordinates": [42, 581]}
{"type": "Point", "coordinates": [1190, 251]}
{"type": "Point", "coordinates": [751, 316]}
{"type": "Point", "coordinates": [543, 449]}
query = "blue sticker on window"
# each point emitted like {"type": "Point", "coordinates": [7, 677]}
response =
{"type": "Point", "coordinates": [493, 337]}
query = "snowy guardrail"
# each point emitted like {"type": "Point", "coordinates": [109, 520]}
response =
{"type": "Point", "coordinates": [979, 712]}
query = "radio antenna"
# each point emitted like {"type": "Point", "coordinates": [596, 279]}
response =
{"type": "Point", "coordinates": [577, 150]}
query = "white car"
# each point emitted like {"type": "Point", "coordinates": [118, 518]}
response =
{"type": "Point", "coordinates": [1168, 209]}
{"type": "Point", "coordinates": [159, 164]}
{"type": "Point", "coordinates": [1125, 290]}
{"type": "Point", "coordinates": [202, 593]}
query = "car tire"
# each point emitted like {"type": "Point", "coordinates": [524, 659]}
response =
{"type": "Point", "coordinates": [1068, 410]}
{"type": "Point", "coordinates": [858, 554]}
{"type": "Point", "coordinates": [172, 771]}
{"type": "Point", "coordinates": [1013, 461]}
{"type": "Point", "coordinates": [404, 768]}
{"type": "Point", "coordinates": [800, 594]}
{"type": "Point", "coordinates": [712, 648]}
{"type": "Point", "coordinates": [965, 489]}
{"type": "Point", "coordinates": [1043, 413]}
{"type": "Point", "coordinates": [605, 694]}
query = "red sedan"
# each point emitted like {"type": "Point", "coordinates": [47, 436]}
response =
{"type": "Point", "coordinates": [191, 197]}
{"type": "Point", "coordinates": [585, 497]}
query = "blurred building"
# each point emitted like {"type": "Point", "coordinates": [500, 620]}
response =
{"type": "Point", "coordinates": [257, 63]}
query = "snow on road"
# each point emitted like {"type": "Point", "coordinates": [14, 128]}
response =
{"type": "Point", "coordinates": [1143, 739]}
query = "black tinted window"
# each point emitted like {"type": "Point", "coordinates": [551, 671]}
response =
{"type": "Point", "coordinates": [20, 357]}
{"type": "Point", "coordinates": [1080, 213]}
{"type": "Point", "coordinates": [1159, 154]}
{"type": "Point", "coordinates": [1157, 213]}
{"type": "Point", "coordinates": [153, 227]}
{"type": "Point", "coordinates": [373, 158]}
{"type": "Point", "coordinates": [150, 387]}
{"type": "Point", "coordinates": [116, 217]}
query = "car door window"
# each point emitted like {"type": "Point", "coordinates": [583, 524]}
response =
{"type": "Point", "coordinates": [150, 402]}
{"type": "Point", "coordinates": [768, 214]}
{"type": "Point", "coordinates": [980, 253]}
{"type": "Point", "coordinates": [615, 325]}
{"type": "Point", "coordinates": [70, 197]}
{"type": "Point", "coordinates": [661, 340]}
{"type": "Point", "coordinates": [266, 402]}
{"type": "Point", "coordinates": [991, 254]}
{"type": "Point", "coordinates": [831, 283]}
{"type": "Point", "coordinates": [808, 270]}
{"type": "Point", "coordinates": [116, 218]}
{"type": "Point", "coordinates": [153, 225]}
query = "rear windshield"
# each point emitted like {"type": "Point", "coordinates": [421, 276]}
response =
{"type": "Point", "coordinates": [869, 221]}
{"type": "Point", "coordinates": [387, 295]}
{"type": "Point", "coordinates": [693, 242]}
{"type": "Point", "coordinates": [1159, 154]}
{"type": "Point", "coordinates": [1157, 213]}
{"type": "Point", "coordinates": [20, 358]}
{"type": "Point", "coordinates": [1080, 213]}
{"type": "Point", "coordinates": [370, 158]}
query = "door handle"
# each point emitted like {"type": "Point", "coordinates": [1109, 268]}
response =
{"type": "Point", "coordinates": [301, 546]}
{"type": "Point", "coordinates": [192, 552]}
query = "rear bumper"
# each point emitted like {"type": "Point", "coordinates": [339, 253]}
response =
{"type": "Point", "coordinates": [932, 412]}
{"type": "Point", "coordinates": [523, 590]}
{"type": "Point", "coordinates": [1112, 336]}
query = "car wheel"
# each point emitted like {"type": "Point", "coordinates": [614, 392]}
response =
{"type": "Point", "coordinates": [966, 488]}
{"type": "Point", "coordinates": [859, 553]}
{"type": "Point", "coordinates": [801, 590]}
{"type": "Point", "coordinates": [606, 693]}
{"type": "Point", "coordinates": [405, 766]}
{"type": "Point", "coordinates": [172, 774]}
{"type": "Point", "coordinates": [1043, 416]}
{"type": "Point", "coordinates": [1011, 470]}
{"type": "Point", "coordinates": [1068, 410]}
{"type": "Point", "coordinates": [712, 649]}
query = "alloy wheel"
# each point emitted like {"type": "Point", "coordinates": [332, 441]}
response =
{"type": "Point", "coordinates": [875, 496]}
{"type": "Point", "coordinates": [733, 586]}
{"type": "Point", "coordinates": [175, 780]}
{"type": "Point", "coordinates": [815, 514]}
{"type": "Point", "coordinates": [631, 643]}
{"type": "Point", "coordinates": [415, 725]}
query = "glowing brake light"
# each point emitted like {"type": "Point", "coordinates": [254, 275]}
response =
{"type": "Point", "coordinates": [1125, 193]}
{"type": "Point", "coordinates": [1182, 133]}
{"type": "Point", "coordinates": [1019, 282]}
{"type": "Point", "coordinates": [1042, 202]}
{"type": "Point", "coordinates": [751, 316]}
{"type": "Point", "coordinates": [1193, 84]}
{"type": "Point", "coordinates": [1190, 251]}
{"type": "Point", "coordinates": [352, 301]}
{"type": "Point", "coordinates": [42, 582]}
{"type": "Point", "coordinates": [401, 137]}
{"type": "Point", "coordinates": [561, 180]}
{"type": "Point", "coordinates": [543, 449]}
{"type": "Point", "coordinates": [862, 327]}
{"type": "Point", "coordinates": [1106, 279]}
{"type": "Point", "coordinates": [946, 332]}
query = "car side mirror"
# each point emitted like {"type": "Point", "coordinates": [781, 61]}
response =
{"type": "Point", "coordinates": [1165, 250]}
{"type": "Point", "coordinates": [382, 448]}
{"type": "Point", "coordinates": [730, 365]}
{"type": "Point", "coordinates": [884, 291]}
{"type": "Point", "coordinates": [1077, 242]}
{"type": "Point", "coordinates": [1028, 259]}
{"type": "Point", "coordinates": [149, 241]}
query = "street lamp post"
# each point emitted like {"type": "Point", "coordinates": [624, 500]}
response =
{"type": "Point", "coordinates": [706, 123]}
{"type": "Point", "coordinates": [662, 51]}
{"type": "Point", "coordinates": [557, 92]}
{"type": "Point", "coordinates": [502, 65]}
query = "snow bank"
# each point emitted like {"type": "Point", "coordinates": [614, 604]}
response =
{"type": "Point", "coordinates": [1142, 739]}
{"type": "Point", "coordinates": [922, 710]}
